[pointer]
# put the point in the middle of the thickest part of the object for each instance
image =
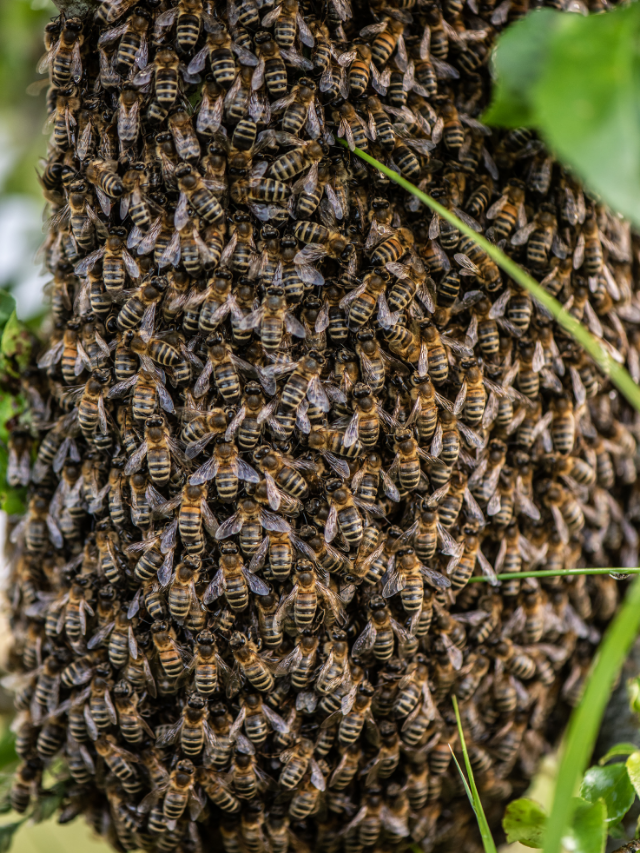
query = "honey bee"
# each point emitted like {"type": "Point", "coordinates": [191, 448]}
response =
{"type": "Point", "coordinates": [303, 599]}
{"type": "Point", "coordinates": [234, 581]}
{"type": "Point", "coordinates": [132, 48]}
{"type": "Point", "coordinates": [539, 235]}
{"type": "Point", "coordinates": [178, 792]}
{"type": "Point", "coordinates": [189, 17]}
{"type": "Point", "coordinates": [272, 319]}
{"type": "Point", "coordinates": [378, 634]}
{"type": "Point", "coordinates": [253, 667]}
{"type": "Point", "coordinates": [158, 448]}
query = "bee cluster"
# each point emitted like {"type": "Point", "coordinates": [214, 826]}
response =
{"type": "Point", "coordinates": [308, 415]}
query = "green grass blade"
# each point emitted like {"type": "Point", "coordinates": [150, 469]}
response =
{"type": "Point", "coordinates": [585, 719]}
{"type": "Point", "coordinates": [544, 573]}
{"type": "Point", "coordinates": [485, 833]}
{"type": "Point", "coordinates": [618, 375]}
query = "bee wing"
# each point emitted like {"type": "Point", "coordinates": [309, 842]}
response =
{"type": "Point", "coordinates": [389, 487]}
{"type": "Point", "coordinates": [166, 735]}
{"type": "Point", "coordinates": [352, 431]}
{"type": "Point", "coordinates": [294, 326]}
{"type": "Point", "coordinates": [471, 437]}
{"type": "Point", "coordinates": [257, 79]}
{"type": "Point", "coordinates": [317, 396]}
{"type": "Point", "coordinates": [52, 356]}
{"type": "Point", "coordinates": [255, 583]}
{"type": "Point", "coordinates": [246, 472]}
{"type": "Point", "coordinates": [202, 383]}
{"type": "Point", "coordinates": [275, 720]}
{"type": "Point", "coordinates": [435, 578]}
{"type": "Point", "coordinates": [205, 472]}
{"type": "Point", "coordinates": [496, 207]}
{"type": "Point", "coordinates": [339, 465]}
{"type": "Point", "coordinates": [522, 235]}
{"type": "Point", "coordinates": [366, 640]}
{"type": "Point", "coordinates": [273, 492]}
{"type": "Point", "coordinates": [258, 559]}
{"type": "Point", "coordinates": [331, 526]}
{"type": "Point", "coordinates": [135, 462]}
{"type": "Point", "coordinates": [215, 588]}
{"type": "Point", "coordinates": [273, 522]}
{"type": "Point", "coordinates": [210, 521]}
{"type": "Point", "coordinates": [89, 262]}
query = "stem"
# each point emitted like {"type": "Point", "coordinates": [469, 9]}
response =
{"type": "Point", "coordinates": [618, 375]}
{"type": "Point", "coordinates": [485, 833]}
{"type": "Point", "coordinates": [585, 719]}
{"type": "Point", "coordinates": [510, 576]}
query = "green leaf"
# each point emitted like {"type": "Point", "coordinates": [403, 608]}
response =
{"type": "Point", "coordinates": [575, 80]}
{"type": "Point", "coordinates": [7, 307]}
{"type": "Point", "coordinates": [16, 342]}
{"type": "Point", "coordinates": [618, 749]}
{"type": "Point", "coordinates": [7, 831]}
{"type": "Point", "coordinates": [588, 832]}
{"type": "Point", "coordinates": [472, 792]}
{"type": "Point", "coordinates": [7, 749]}
{"type": "Point", "coordinates": [518, 62]}
{"type": "Point", "coordinates": [612, 785]}
{"type": "Point", "coordinates": [633, 769]}
{"type": "Point", "coordinates": [524, 821]}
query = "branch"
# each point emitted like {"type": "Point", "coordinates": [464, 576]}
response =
{"type": "Point", "coordinates": [77, 8]}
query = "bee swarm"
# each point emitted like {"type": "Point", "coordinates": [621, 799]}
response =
{"type": "Point", "coordinates": [308, 414]}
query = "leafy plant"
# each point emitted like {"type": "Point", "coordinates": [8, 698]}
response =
{"type": "Point", "coordinates": [16, 343]}
{"type": "Point", "coordinates": [574, 79]}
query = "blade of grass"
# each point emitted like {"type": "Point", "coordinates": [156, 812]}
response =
{"type": "Point", "coordinates": [472, 791]}
{"type": "Point", "coordinates": [618, 375]}
{"type": "Point", "coordinates": [510, 576]}
{"type": "Point", "coordinates": [585, 719]}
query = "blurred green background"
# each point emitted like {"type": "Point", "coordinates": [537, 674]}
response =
{"type": "Point", "coordinates": [22, 144]}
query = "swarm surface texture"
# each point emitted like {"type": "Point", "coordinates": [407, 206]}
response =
{"type": "Point", "coordinates": [284, 415]}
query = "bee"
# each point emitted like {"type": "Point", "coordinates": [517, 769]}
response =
{"type": "Point", "coordinates": [282, 473]}
{"type": "Point", "coordinates": [303, 382]}
{"type": "Point", "coordinates": [379, 633]}
{"type": "Point", "coordinates": [194, 515]}
{"type": "Point", "coordinates": [226, 468]}
{"type": "Point", "coordinates": [25, 784]}
{"type": "Point", "coordinates": [189, 17]}
{"type": "Point", "coordinates": [159, 448]}
{"type": "Point", "coordinates": [132, 47]}
{"type": "Point", "coordinates": [252, 666]}
{"type": "Point", "coordinates": [257, 717]}
{"type": "Point", "coordinates": [179, 792]}
{"type": "Point", "coordinates": [296, 761]}
{"type": "Point", "coordinates": [206, 665]}
{"type": "Point", "coordinates": [539, 235]}
{"type": "Point", "coordinates": [132, 725]}
{"type": "Point", "coordinates": [508, 211]}
{"type": "Point", "coordinates": [196, 193]}
{"type": "Point", "coordinates": [303, 599]}
{"type": "Point", "coordinates": [170, 656]}
{"type": "Point", "coordinates": [182, 596]}
{"type": "Point", "coordinates": [111, 10]}
{"type": "Point", "coordinates": [299, 109]}
{"type": "Point", "coordinates": [288, 23]}
{"type": "Point", "coordinates": [272, 319]}
{"type": "Point", "coordinates": [234, 581]}
{"type": "Point", "coordinates": [116, 262]}
{"type": "Point", "coordinates": [406, 578]}
{"type": "Point", "coordinates": [192, 728]}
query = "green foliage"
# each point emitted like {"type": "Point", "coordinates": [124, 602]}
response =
{"type": "Point", "coordinates": [15, 353]}
{"type": "Point", "coordinates": [7, 831]}
{"type": "Point", "coordinates": [574, 79]}
{"type": "Point", "coordinates": [471, 789]}
{"type": "Point", "coordinates": [587, 832]}
{"type": "Point", "coordinates": [611, 785]}
{"type": "Point", "coordinates": [618, 749]}
{"type": "Point", "coordinates": [524, 821]}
